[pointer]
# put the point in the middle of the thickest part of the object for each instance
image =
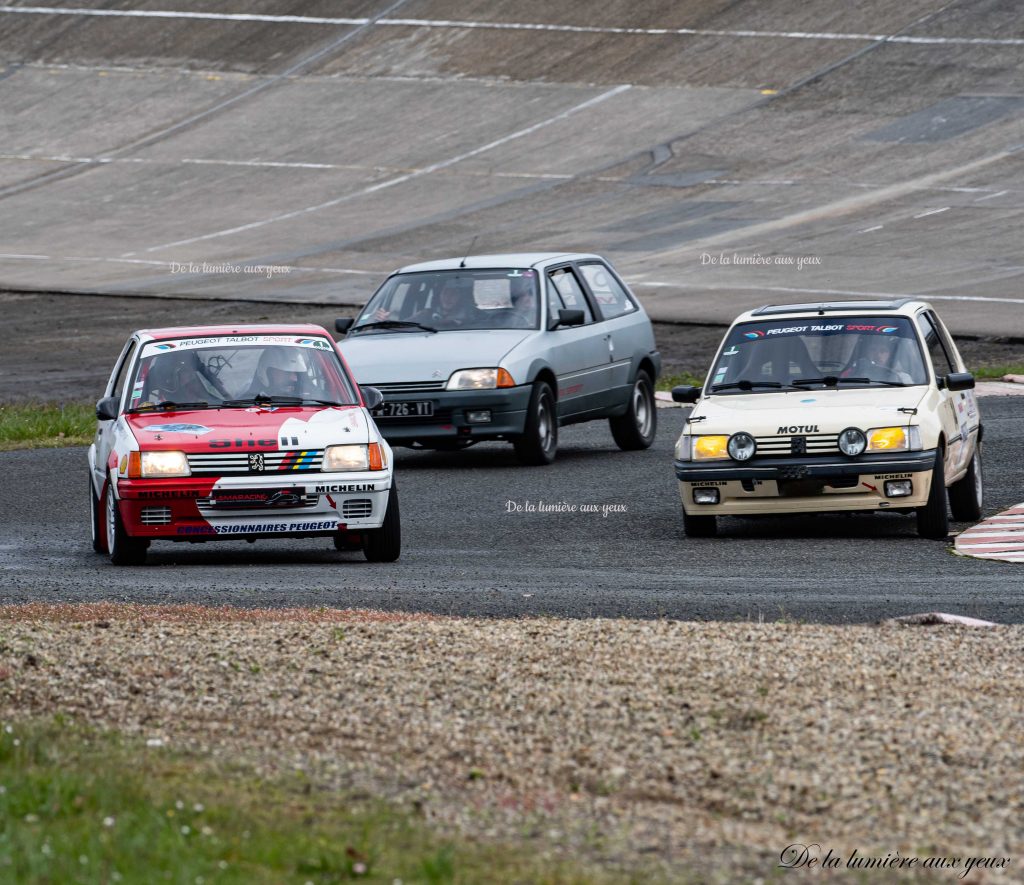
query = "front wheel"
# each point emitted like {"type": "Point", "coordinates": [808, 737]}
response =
{"type": "Point", "coordinates": [123, 549]}
{"type": "Point", "coordinates": [636, 429]}
{"type": "Point", "coordinates": [967, 495]}
{"type": "Point", "coordinates": [385, 544]}
{"type": "Point", "coordinates": [933, 518]}
{"type": "Point", "coordinates": [538, 442]}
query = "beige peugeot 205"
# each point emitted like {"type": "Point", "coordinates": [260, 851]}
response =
{"type": "Point", "coordinates": [849, 406]}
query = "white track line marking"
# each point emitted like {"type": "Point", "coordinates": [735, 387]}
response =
{"type": "Point", "coordinates": [291, 268]}
{"type": "Point", "coordinates": [932, 212]}
{"type": "Point", "coordinates": [267, 164]}
{"type": "Point", "coordinates": [851, 292]}
{"type": "Point", "coordinates": [868, 230]}
{"type": "Point", "coordinates": [455, 24]}
{"type": "Point", "coordinates": [400, 179]}
{"type": "Point", "coordinates": [990, 196]}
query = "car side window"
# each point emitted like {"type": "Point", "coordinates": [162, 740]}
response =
{"type": "Point", "coordinates": [570, 292]}
{"type": "Point", "coordinates": [941, 362]}
{"type": "Point", "coordinates": [122, 370]}
{"type": "Point", "coordinates": [612, 299]}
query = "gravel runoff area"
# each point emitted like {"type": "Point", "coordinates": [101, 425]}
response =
{"type": "Point", "coordinates": [708, 748]}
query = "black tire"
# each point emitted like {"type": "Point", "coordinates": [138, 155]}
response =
{"type": "Point", "coordinates": [538, 443]}
{"type": "Point", "coordinates": [385, 544]}
{"type": "Point", "coordinates": [699, 526]}
{"type": "Point", "coordinates": [99, 544]}
{"type": "Point", "coordinates": [122, 547]}
{"type": "Point", "coordinates": [967, 495]}
{"type": "Point", "coordinates": [933, 518]}
{"type": "Point", "coordinates": [637, 428]}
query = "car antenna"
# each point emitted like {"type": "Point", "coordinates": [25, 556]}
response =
{"type": "Point", "coordinates": [470, 252]}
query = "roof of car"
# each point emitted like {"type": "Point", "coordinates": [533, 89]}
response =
{"type": "Point", "coordinates": [236, 329]}
{"type": "Point", "coordinates": [905, 306]}
{"type": "Point", "coordinates": [510, 259]}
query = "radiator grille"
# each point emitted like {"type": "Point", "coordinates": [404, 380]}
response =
{"type": "Point", "coordinates": [255, 463]}
{"type": "Point", "coordinates": [811, 444]}
{"type": "Point", "coordinates": [410, 387]}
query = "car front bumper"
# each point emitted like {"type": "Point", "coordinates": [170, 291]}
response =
{"type": "Point", "coordinates": [450, 423]}
{"type": "Point", "coordinates": [208, 508]}
{"type": "Point", "coordinates": [806, 485]}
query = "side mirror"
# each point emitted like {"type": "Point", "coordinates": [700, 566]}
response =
{"type": "Point", "coordinates": [106, 408]}
{"type": "Point", "coordinates": [686, 394]}
{"type": "Point", "coordinates": [959, 381]}
{"type": "Point", "coordinates": [570, 317]}
{"type": "Point", "coordinates": [371, 397]}
{"type": "Point", "coordinates": [343, 324]}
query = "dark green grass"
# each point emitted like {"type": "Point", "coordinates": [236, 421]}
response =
{"type": "Point", "coordinates": [80, 806]}
{"type": "Point", "coordinates": [37, 425]}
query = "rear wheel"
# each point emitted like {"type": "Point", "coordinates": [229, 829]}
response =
{"type": "Point", "coordinates": [933, 518]}
{"type": "Point", "coordinates": [967, 496]}
{"type": "Point", "coordinates": [538, 442]}
{"type": "Point", "coordinates": [123, 549]}
{"type": "Point", "coordinates": [636, 429]}
{"type": "Point", "coordinates": [699, 526]}
{"type": "Point", "coordinates": [99, 544]}
{"type": "Point", "coordinates": [385, 544]}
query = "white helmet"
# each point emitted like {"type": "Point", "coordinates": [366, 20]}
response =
{"type": "Point", "coordinates": [282, 371]}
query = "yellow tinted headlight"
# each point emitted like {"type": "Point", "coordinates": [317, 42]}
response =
{"type": "Point", "coordinates": [887, 439]}
{"type": "Point", "coordinates": [710, 448]}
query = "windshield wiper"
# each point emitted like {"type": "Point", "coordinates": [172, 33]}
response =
{"type": "Point", "coordinates": [394, 324]}
{"type": "Point", "coordinates": [746, 384]}
{"type": "Point", "coordinates": [835, 381]}
{"type": "Point", "coordinates": [170, 406]}
{"type": "Point", "coordinates": [263, 399]}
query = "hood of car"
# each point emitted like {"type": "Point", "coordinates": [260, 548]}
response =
{"type": "Point", "coordinates": [387, 358]}
{"type": "Point", "coordinates": [806, 412]}
{"type": "Point", "coordinates": [253, 429]}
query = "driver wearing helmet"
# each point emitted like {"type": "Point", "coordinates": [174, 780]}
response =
{"type": "Point", "coordinates": [175, 377]}
{"type": "Point", "coordinates": [282, 371]}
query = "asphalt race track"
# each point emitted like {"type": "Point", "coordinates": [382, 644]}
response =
{"type": "Point", "coordinates": [465, 554]}
{"type": "Point", "coordinates": [723, 153]}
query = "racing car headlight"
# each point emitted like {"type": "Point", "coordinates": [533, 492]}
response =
{"type": "Point", "coordinates": [710, 448]}
{"type": "Point", "coordinates": [888, 439]}
{"type": "Point", "coordinates": [852, 441]}
{"type": "Point", "coordinates": [741, 446]}
{"type": "Point", "coordinates": [346, 458]}
{"type": "Point", "coordinates": [479, 379]}
{"type": "Point", "coordinates": [156, 464]}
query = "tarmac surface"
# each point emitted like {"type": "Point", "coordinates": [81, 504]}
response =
{"type": "Point", "coordinates": [722, 154]}
{"type": "Point", "coordinates": [466, 551]}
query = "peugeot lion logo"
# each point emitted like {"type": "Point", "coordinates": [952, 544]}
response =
{"type": "Point", "coordinates": [256, 462]}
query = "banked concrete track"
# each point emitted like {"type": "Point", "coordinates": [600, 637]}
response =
{"type": "Point", "coordinates": [882, 141]}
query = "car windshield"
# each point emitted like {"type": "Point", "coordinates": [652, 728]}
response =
{"type": "Point", "coordinates": [239, 371]}
{"type": "Point", "coordinates": [802, 354]}
{"type": "Point", "coordinates": [445, 301]}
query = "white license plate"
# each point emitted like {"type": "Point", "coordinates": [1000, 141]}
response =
{"type": "Point", "coordinates": [413, 409]}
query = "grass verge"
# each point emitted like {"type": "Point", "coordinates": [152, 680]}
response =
{"type": "Point", "coordinates": [45, 425]}
{"type": "Point", "coordinates": [83, 806]}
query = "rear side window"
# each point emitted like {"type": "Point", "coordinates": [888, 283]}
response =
{"type": "Point", "coordinates": [941, 361]}
{"type": "Point", "coordinates": [612, 299]}
{"type": "Point", "coordinates": [566, 288]}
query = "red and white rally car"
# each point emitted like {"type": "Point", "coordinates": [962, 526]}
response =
{"type": "Point", "coordinates": [238, 433]}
